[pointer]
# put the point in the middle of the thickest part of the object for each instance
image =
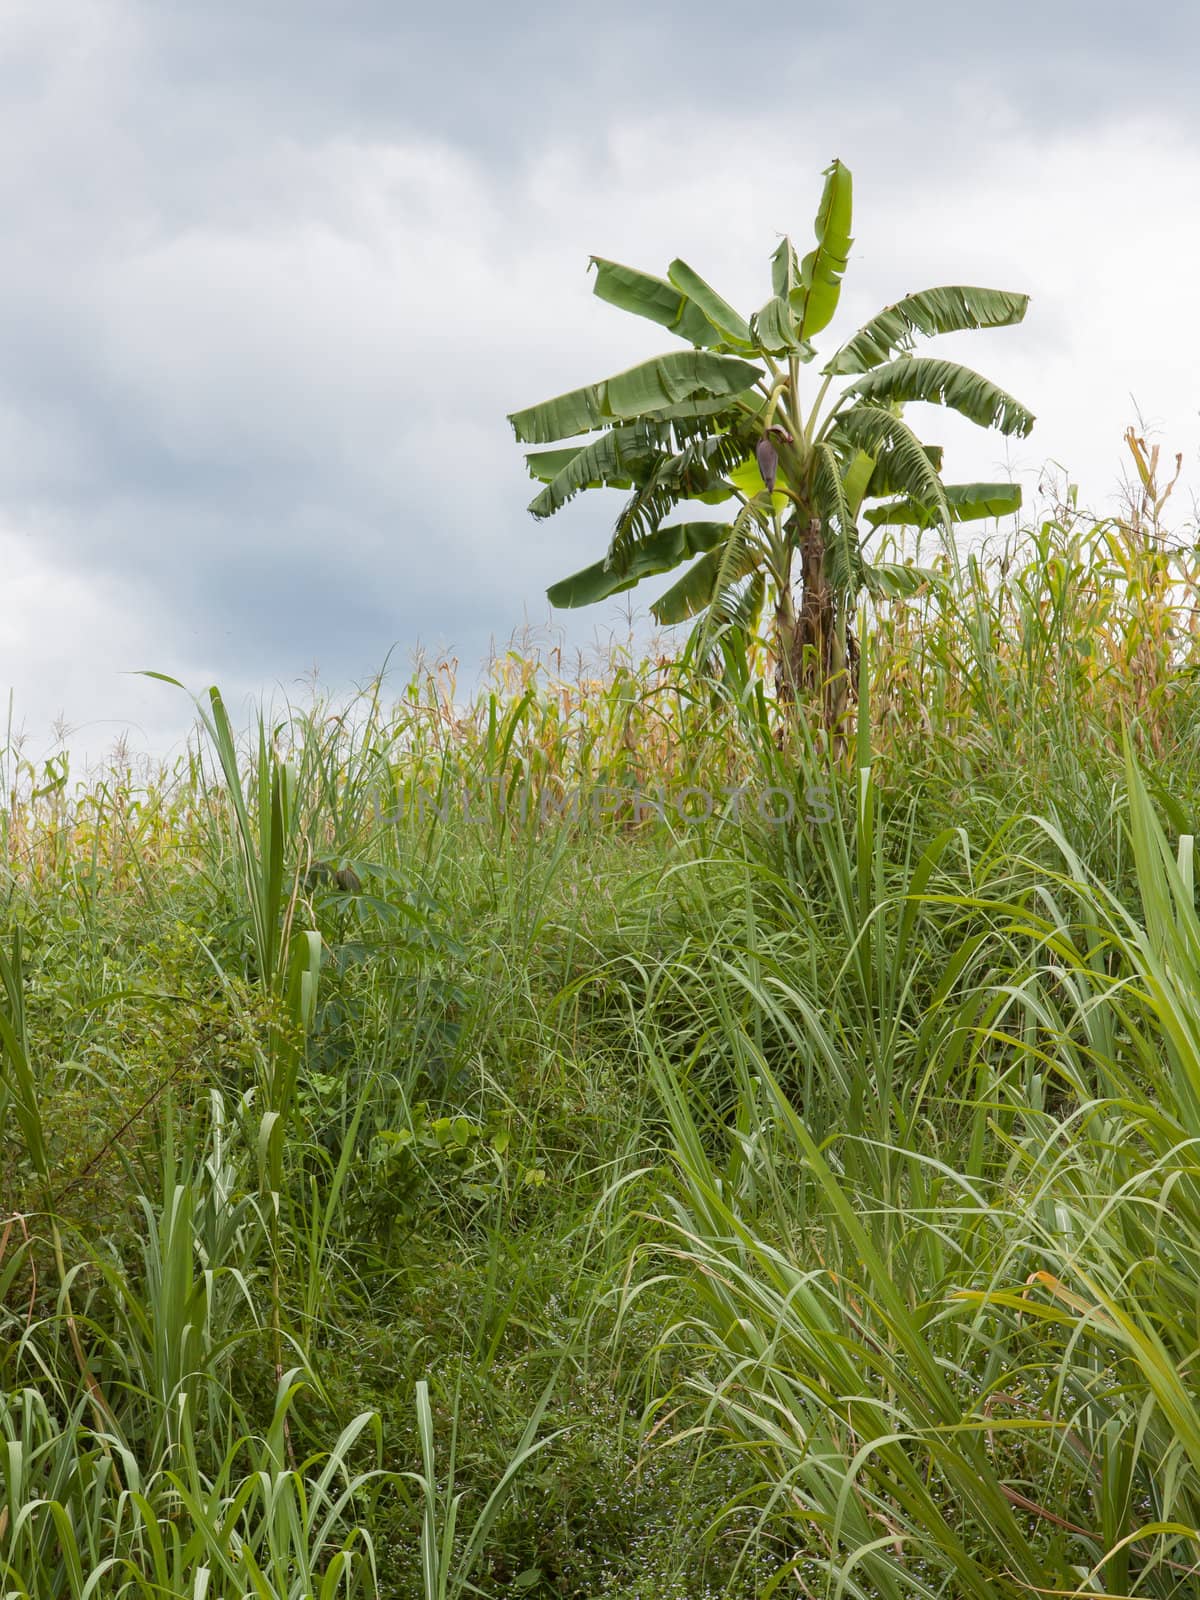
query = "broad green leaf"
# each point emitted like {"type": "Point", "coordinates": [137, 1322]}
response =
{"type": "Point", "coordinates": [698, 472]}
{"type": "Point", "coordinates": [856, 479]}
{"type": "Point", "coordinates": [695, 590]}
{"type": "Point", "coordinates": [774, 329]}
{"type": "Point", "coordinates": [711, 497]}
{"type": "Point", "coordinates": [815, 300]}
{"type": "Point", "coordinates": [619, 459]}
{"type": "Point", "coordinates": [652, 386]}
{"type": "Point", "coordinates": [718, 311]}
{"type": "Point", "coordinates": [647, 296]}
{"type": "Point", "coordinates": [944, 383]}
{"type": "Point", "coordinates": [740, 605]}
{"type": "Point", "coordinates": [563, 417]}
{"type": "Point", "coordinates": [841, 535]}
{"type": "Point", "coordinates": [735, 558]}
{"type": "Point", "coordinates": [785, 269]}
{"type": "Point", "coordinates": [688, 410]}
{"type": "Point", "coordinates": [843, 563]}
{"type": "Point", "coordinates": [661, 552]}
{"type": "Point", "coordinates": [880, 434]}
{"type": "Point", "coordinates": [891, 580]}
{"type": "Point", "coordinates": [951, 309]}
{"type": "Point", "coordinates": [968, 502]}
{"type": "Point", "coordinates": [546, 464]}
{"type": "Point", "coordinates": [883, 481]}
{"type": "Point", "coordinates": [829, 488]}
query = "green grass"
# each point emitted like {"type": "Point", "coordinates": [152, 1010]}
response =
{"type": "Point", "coordinates": [410, 1186]}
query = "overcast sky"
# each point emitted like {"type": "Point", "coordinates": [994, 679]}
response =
{"type": "Point", "coordinates": [274, 271]}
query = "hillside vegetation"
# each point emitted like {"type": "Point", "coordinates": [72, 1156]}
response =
{"type": "Point", "coordinates": [601, 1140]}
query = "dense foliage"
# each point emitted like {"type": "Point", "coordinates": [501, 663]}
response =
{"type": "Point", "coordinates": [581, 1139]}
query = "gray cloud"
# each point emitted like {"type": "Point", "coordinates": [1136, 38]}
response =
{"type": "Point", "coordinates": [504, 77]}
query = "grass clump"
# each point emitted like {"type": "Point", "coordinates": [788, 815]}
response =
{"type": "Point", "coordinates": [584, 1138]}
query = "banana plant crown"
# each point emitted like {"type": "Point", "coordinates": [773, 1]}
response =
{"type": "Point", "coordinates": [724, 422]}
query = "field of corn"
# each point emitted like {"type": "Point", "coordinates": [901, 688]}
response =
{"type": "Point", "coordinates": [589, 1138]}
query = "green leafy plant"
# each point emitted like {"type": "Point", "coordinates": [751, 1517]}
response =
{"type": "Point", "coordinates": [730, 421]}
{"type": "Point", "coordinates": [867, 1254]}
{"type": "Point", "coordinates": [454, 1154]}
{"type": "Point", "coordinates": [449, 1555]}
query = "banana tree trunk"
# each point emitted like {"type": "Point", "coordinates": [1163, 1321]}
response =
{"type": "Point", "coordinates": [812, 642]}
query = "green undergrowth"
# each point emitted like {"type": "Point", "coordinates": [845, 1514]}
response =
{"type": "Point", "coordinates": [405, 1194]}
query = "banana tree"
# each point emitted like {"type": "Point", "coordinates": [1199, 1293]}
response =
{"type": "Point", "coordinates": [805, 474]}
